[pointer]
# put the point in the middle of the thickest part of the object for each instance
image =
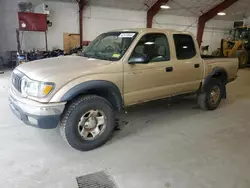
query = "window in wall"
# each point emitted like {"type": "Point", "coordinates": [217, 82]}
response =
{"type": "Point", "coordinates": [184, 45]}
{"type": "Point", "coordinates": [154, 46]}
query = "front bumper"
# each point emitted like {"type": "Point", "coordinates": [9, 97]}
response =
{"type": "Point", "coordinates": [45, 116]}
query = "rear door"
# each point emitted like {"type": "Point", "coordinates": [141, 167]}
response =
{"type": "Point", "coordinates": [188, 69]}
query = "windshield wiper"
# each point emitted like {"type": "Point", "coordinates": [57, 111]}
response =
{"type": "Point", "coordinates": [88, 55]}
{"type": "Point", "coordinates": [104, 57]}
{"type": "Point", "coordinates": [99, 56]}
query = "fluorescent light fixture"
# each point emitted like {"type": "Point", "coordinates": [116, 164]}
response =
{"type": "Point", "coordinates": [149, 43]}
{"type": "Point", "coordinates": [23, 25]}
{"type": "Point", "coordinates": [221, 13]}
{"type": "Point", "coordinates": [185, 47]}
{"type": "Point", "coordinates": [165, 7]}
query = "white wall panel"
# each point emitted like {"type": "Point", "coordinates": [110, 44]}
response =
{"type": "Point", "coordinates": [97, 20]}
{"type": "Point", "coordinates": [214, 30]}
{"type": "Point", "coordinates": [9, 24]}
{"type": "Point", "coordinates": [63, 15]}
{"type": "Point", "coordinates": [1, 25]}
{"type": "Point", "coordinates": [64, 18]}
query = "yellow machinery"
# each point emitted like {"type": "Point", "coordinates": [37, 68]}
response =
{"type": "Point", "coordinates": [238, 45]}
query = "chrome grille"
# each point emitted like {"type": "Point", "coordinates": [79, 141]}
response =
{"type": "Point", "coordinates": [16, 81]}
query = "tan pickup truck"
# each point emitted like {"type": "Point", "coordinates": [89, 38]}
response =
{"type": "Point", "coordinates": [120, 68]}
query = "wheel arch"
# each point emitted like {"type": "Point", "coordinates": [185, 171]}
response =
{"type": "Point", "coordinates": [217, 73]}
{"type": "Point", "coordinates": [102, 88]}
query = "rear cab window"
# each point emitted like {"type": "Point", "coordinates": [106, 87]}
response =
{"type": "Point", "coordinates": [184, 46]}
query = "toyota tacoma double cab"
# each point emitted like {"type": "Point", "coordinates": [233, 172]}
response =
{"type": "Point", "coordinates": [81, 94]}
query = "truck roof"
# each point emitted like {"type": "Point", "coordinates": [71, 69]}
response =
{"type": "Point", "coordinates": [139, 30]}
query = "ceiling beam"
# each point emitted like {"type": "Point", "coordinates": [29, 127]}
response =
{"type": "Point", "coordinates": [152, 11]}
{"type": "Point", "coordinates": [81, 4]}
{"type": "Point", "coordinates": [209, 15]}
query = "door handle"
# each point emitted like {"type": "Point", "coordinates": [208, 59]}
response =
{"type": "Point", "coordinates": [196, 65]}
{"type": "Point", "coordinates": [137, 72]}
{"type": "Point", "coordinates": [169, 69]}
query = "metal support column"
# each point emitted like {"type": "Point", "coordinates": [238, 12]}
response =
{"type": "Point", "coordinates": [152, 11]}
{"type": "Point", "coordinates": [209, 15]}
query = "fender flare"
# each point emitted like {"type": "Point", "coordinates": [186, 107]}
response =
{"type": "Point", "coordinates": [215, 71]}
{"type": "Point", "coordinates": [112, 92]}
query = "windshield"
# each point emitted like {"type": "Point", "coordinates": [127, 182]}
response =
{"type": "Point", "coordinates": [110, 46]}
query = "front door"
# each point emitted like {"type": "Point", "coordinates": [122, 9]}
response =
{"type": "Point", "coordinates": [148, 79]}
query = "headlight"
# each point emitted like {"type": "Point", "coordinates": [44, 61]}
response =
{"type": "Point", "coordinates": [34, 88]}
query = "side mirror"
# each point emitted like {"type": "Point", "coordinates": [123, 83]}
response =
{"type": "Point", "coordinates": [138, 59]}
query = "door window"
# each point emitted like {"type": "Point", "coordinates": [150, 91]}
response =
{"type": "Point", "coordinates": [184, 45]}
{"type": "Point", "coordinates": [154, 47]}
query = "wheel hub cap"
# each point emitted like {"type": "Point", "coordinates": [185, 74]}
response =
{"type": "Point", "coordinates": [215, 95]}
{"type": "Point", "coordinates": [92, 124]}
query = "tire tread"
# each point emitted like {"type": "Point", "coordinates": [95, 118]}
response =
{"type": "Point", "coordinates": [70, 108]}
{"type": "Point", "coordinates": [202, 99]}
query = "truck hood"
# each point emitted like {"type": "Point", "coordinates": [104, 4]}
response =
{"type": "Point", "coordinates": [42, 69]}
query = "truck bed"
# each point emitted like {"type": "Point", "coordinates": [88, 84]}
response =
{"type": "Point", "coordinates": [211, 57]}
{"type": "Point", "coordinates": [231, 65]}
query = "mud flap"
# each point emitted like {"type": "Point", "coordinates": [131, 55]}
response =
{"type": "Point", "coordinates": [224, 96]}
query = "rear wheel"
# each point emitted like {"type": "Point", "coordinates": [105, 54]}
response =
{"type": "Point", "coordinates": [88, 122]}
{"type": "Point", "coordinates": [243, 58]}
{"type": "Point", "coordinates": [210, 99]}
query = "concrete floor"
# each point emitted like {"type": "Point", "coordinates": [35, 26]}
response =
{"type": "Point", "coordinates": [161, 146]}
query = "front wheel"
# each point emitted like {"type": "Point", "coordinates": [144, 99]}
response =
{"type": "Point", "coordinates": [210, 99]}
{"type": "Point", "coordinates": [88, 122]}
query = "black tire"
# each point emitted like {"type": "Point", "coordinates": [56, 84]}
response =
{"type": "Point", "coordinates": [243, 58]}
{"type": "Point", "coordinates": [204, 98]}
{"type": "Point", "coordinates": [72, 116]}
{"type": "Point", "coordinates": [248, 63]}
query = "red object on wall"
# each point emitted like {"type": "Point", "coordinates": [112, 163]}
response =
{"type": "Point", "coordinates": [85, 43]}
{"type": "Point", "coordinates": [29, 21]}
